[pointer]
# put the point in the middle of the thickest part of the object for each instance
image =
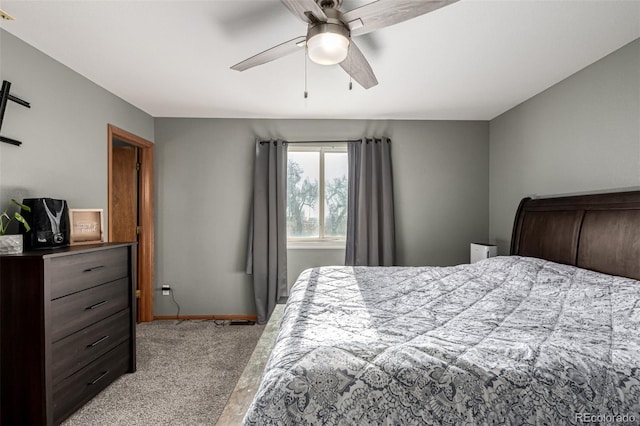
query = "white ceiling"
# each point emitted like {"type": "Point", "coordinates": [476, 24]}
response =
{"type": "Point", "coordinates": [472, 60]}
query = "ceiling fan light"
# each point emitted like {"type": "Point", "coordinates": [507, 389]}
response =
{"type": "Point", "coordinates": [328, 47]}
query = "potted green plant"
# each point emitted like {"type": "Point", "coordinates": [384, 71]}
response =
{"type": "Point", "coordinates": [12, 244]}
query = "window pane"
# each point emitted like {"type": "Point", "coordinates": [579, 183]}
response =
{"type": "Point", "coordinates": [303, 174]}
{"type": "Point", "coordinates": [335, 194]}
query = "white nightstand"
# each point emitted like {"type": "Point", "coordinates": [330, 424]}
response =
{"type": "Point", "coordinates": [481, 251]}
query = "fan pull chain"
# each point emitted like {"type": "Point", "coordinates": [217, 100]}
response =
{"type": "Point", "coordinates": [350, 66]}
{"type": "Point", "coordinates": [306, 60]}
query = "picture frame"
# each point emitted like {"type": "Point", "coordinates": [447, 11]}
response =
{"type": "Point", "coordinates": [87, 226]}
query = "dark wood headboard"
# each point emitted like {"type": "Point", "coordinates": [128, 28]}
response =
{"type": "Point", "coordinates": [600, 232]}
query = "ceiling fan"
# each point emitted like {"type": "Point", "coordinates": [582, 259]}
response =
{"type": "Point", "coordinates": [330, 32]}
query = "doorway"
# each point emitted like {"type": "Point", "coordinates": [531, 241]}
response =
{"type": "Point", "coordinates": [130, 207]}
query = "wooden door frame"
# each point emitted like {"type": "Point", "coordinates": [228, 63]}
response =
{"type": "Point", "coordinates": [146, 237]}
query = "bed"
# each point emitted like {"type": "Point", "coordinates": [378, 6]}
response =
{"type": "Point", "coordinates": [548, 335]}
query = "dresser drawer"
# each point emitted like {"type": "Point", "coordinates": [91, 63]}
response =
{"type": "Point", "coordinates": [79, 349]}
{"type": "Point", "coordinates": [72, 392]}
{"type": "Point", "coordinates": [72, 313]}
{"type": "Point", "coordinates": [77, 272]}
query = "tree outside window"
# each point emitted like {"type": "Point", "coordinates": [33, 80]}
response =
{"type": "Point", "coordinates": [317, 193]}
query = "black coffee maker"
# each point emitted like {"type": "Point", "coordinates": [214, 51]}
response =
{"type": "Point", "coordinates": [49, 222]}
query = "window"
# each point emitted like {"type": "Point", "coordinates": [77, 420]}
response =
{"type": "Point", "coordinates": [317, 193]}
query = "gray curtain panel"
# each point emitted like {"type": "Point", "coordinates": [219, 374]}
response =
{"type": "Point", "coordinates": [370, 222]}
{"type": "Point", "coordinates": [267, 246]}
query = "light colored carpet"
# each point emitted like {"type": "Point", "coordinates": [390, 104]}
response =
{"type": "Point", "coordinates": [186, 372]}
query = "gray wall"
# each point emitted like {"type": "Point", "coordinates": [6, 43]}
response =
{"type": "Point", "coordinates": [581, 135]}
{"type": "Point", "coordinates": [64, 133]}
{"type": "Point", "coordinates": [300, 259]}
{"type": "Point", "coordinates": [204, 170]}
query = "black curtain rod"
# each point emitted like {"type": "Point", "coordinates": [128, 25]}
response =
{"type": "Point", "coordinates": [336, 141]}
{"type": "Point", "coordinates": [318, 142]}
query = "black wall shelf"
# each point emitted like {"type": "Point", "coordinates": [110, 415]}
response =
{"type": "Point", "coordinates": [5, 97]}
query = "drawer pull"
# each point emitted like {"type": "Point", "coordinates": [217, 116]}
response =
{"type": "Point", "coordinates": [99, 377]}
{"type": "Point", "coordinates": [95, 268]}
{"type": "Point", "coordinates": [97, 342]}
{"type": "Point", "coordinates": [97, 305]}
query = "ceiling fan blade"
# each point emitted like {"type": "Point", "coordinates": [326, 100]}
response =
{"type": "Point", "coordinates": [383, 13]}
{"type": "Point", "coordinates": [358, 68]}
{"type": "Point", "coordinates": [269, 55]}
{"type": "Point", "coordinates": [301, 8]}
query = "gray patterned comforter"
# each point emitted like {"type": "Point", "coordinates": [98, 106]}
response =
{"type": "Point", "coordinates": [509, 340]}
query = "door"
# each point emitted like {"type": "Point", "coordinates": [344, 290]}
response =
{"type": "Point", "coordinates": [124, 200]}
{"type": "Point", "coordinates": [125, 193]}
{"type": "Point", "coordinates": [131, 208]}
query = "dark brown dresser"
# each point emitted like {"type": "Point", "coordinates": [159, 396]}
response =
{"type": "Point", "coordinates": [67, 329]}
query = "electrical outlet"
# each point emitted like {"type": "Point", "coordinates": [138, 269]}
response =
{"type": "Point", "coordinates": [166, 289]}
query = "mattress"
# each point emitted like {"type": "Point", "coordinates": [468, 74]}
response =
{"type": "Point", "coordinates": [508, 340]}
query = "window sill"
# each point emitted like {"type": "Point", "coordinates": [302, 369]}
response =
{"type": "Point", "coordinates": [316, 245]}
